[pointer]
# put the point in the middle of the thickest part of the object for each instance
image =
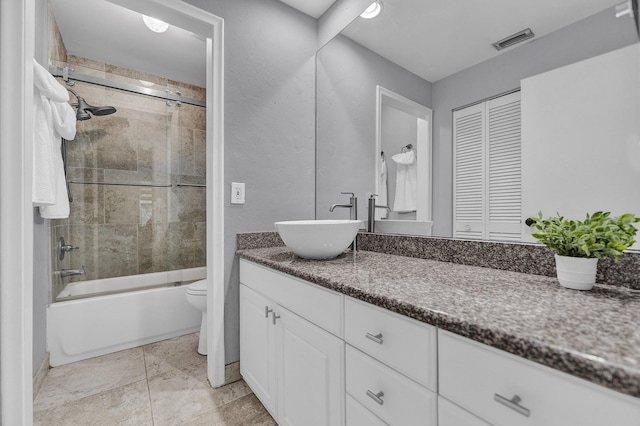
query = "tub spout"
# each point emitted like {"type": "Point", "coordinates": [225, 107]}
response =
{"type": "Point", "coordinates": [69, 272]}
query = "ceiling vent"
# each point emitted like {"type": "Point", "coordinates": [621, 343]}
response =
{"type": "Point", "coordinates": [516, 38]}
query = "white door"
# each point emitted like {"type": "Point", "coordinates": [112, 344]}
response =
{"type": "Point", "coordinates": [487, 170]}
{"type": "Point", "coordinates": [468, 171]}
{"type": "Point", "coordinates": [504, 168]}
{"type": "Point", "coordinates": [257, 347]}
{"type": "Point", "coordinates": [311, 372]}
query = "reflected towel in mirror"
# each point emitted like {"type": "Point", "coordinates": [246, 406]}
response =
{"type": "Point", "coordinates": [406, 182]}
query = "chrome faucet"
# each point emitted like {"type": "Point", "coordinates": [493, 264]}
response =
{"type": "Point", "coordinates": [353, 206]}
{"type": "Point", "coordinates": [353, 213]}
{"type": "Point", "coordinates": [64, 273]}
{"type": "Point", "coordinates": [371, 214]}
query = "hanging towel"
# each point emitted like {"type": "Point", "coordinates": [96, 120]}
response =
{"type": "Point", "coordinates": [54, 119]}
{"type": "Point", "coordinates": [406, 182]}
{"type": "Point", "coordinates": [382, 189]}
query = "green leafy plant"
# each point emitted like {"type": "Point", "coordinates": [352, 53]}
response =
{"type": "Point", "coordinates": [599, 235]}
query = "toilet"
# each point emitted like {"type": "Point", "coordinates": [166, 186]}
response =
{"type": "Point", "coordinates": [197, 296]}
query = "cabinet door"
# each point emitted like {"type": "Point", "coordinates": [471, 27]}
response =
{"type": "Point", "coordinates": [450, 414]}
{"type": "Point", "coordinates": [310, 373]}
{"type": "Point", "coordinates": [257, 347]}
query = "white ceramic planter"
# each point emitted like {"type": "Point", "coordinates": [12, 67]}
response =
{"type": "Point", "coordinates": [578, 273]}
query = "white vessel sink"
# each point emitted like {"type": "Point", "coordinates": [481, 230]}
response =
{"type": "Point", "coordinates": [318, 239]}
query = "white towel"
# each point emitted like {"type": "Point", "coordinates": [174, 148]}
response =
{"type": "Point", "coordinates": [382, 189]}
{"type": "Point", "coordinates": [406, 182]}
{"type": "Point", "coordinates": [54, 119]}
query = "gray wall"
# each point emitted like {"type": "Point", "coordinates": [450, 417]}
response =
{"type": "Point", "coordinates": [269, 125]}
{"type": "Point", "coordinates": [592, 36]}
{"type": "Point", "coordinates": [346, 103]}
{"type": "Point", "coordinates": [41, 244]}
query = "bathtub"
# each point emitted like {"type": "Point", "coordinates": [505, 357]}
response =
{"type": "Point", "coordinates": [153, 308]}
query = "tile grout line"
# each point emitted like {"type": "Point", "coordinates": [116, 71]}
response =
{"type": "Point", "coordinates": [146, 376]}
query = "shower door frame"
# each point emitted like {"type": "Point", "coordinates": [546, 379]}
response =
{"type": "Point", "coordinates": [17, 39]}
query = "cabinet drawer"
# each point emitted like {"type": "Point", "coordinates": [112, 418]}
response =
{"type": "Point", "coordinates": [320, 306]}
{"type": "Point", "coordinates": [357, 415]}
{"type": "Point", "coordinates": [400, 401]}
{"type": "Point", "coordinates": [450, 414]}
{"type": "Point", "coordinates": [404, 344]}
{"type": "Point", "coordinates": [474, 375]}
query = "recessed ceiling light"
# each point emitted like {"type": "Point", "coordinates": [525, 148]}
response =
{"type": "Point", "coordinates": [372, 11]}
{"type": "Point", "coordinates": [154, 24]}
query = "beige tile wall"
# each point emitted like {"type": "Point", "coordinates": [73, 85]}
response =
{"type": "Point", "coordinates": [128, 230]}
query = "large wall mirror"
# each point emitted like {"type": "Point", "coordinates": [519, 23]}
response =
{"type": "Point", "coordinates": [578, 80]}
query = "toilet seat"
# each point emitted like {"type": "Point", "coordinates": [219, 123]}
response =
{"type": "Point", "coordinates": [198, 288]}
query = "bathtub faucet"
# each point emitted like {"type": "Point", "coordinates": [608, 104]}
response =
{"type": "Point", "coordinates": [69, 272]}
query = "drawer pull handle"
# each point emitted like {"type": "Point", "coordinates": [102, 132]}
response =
{"type": "Point", "coordinates": [377, 338]}
{"type": "Point", "coordinates": [377, 397]}
{"type": "Point", "coordinates": [512, 403]}
{"type": "Point", "coordinates": [267, 311]}
{"type": "Point", "coordinates": [275, 317]}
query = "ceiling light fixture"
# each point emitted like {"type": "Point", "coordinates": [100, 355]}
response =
{"type": "Point", "coordinates": [372, 11]}
{"type": "Point", "coordinates": [154, 24]}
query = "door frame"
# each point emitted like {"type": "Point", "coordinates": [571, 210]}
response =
{"type": "Point", "coordinates": [423, 144]}
{"type": "Point", "coordinates": [17, 48]}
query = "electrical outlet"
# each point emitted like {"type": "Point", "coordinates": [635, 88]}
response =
{"type": "Point", "coordinates": [237, 193]}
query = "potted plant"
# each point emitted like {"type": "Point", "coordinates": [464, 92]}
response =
{"type": "Point", "coordinates": [579, 244]}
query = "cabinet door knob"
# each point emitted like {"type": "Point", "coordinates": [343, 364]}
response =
{"type": "Point", "coordinates": [274, 317]}
{"type": "Point", "coordinates": [267, 311]}
{"type": "Point", "coordinates": [377, 338]}
{"type": "Point", "coordinates": [513, 403]}
{"type": "Point", "coordinates": [377, 397]}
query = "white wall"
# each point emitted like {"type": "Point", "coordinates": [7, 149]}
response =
{"type": "Point", "coordinates": [592, 36]}
{"type": "Point", "coordinates": [269, 125]}
{"type": "Point", "coordinates": [581, 137]}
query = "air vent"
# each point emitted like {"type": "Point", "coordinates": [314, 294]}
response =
{"type": "Point", "coordinates": [514, 39]}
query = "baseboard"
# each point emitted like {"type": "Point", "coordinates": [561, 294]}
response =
{"type": "Point", "coordinates": [232, 372]}
{"type": "Point", "coordinates": [40, 374]}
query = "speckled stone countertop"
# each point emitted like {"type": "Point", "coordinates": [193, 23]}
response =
{"type": "Point", "coordinates": [594, 335]}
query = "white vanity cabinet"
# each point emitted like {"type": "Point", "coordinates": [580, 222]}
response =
{"type": "Point", "coordinates": [391, 364]}
{"type": "Point", "coordinates": [316, 357]}
{"type": "Point", "coordinates": [294, 367]}
{"type": "Point", "coordinates": [506, 390]}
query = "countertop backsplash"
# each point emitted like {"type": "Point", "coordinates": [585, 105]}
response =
{"type": "Point", "coordinates": [517, 257]}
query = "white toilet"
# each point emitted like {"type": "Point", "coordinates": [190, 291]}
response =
{"type": "Point", "coordinates": [197, 295]}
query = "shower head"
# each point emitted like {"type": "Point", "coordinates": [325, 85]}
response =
{"type": "Point", "coordinates": [84, 108]}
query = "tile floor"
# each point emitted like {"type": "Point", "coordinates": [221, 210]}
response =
{"type": "Point", "coordinates": [163, 383]}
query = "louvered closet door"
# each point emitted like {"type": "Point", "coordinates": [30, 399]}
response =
{"type": "Point", "coordinates": [487, 170]}
{"type": "Point", "coordinates": [468, 172]}
{"type": "Point", "coordinates": [504, 188]}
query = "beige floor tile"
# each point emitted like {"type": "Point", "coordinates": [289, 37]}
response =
{"type": "Point", "coordinates": [125, 405]}
{"type": "Point", "coordinates": [173, 354]}
{"type": "Point", "coordinates": [245, 411]}
{"type": "Point", "coordinates": [180, 396]}
{"type": "Point", "coordinates": [89, 377]}
{"type": "Point", "coordinates": [232, 373]}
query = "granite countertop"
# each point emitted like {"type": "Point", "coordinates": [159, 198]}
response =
{"type": "Point", "coordinates": [594, 334]}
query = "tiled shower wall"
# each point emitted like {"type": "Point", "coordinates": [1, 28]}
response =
{"type": "Point", "coordinates": [129, 230]}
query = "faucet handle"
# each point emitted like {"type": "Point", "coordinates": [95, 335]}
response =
{"type": "Point", "coordinates": [349, 193]}
{"type": "Point", "coordinates": [372, 195]}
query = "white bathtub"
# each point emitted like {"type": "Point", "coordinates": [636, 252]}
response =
{"type": "Point", "coordinates": [93, 326]}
